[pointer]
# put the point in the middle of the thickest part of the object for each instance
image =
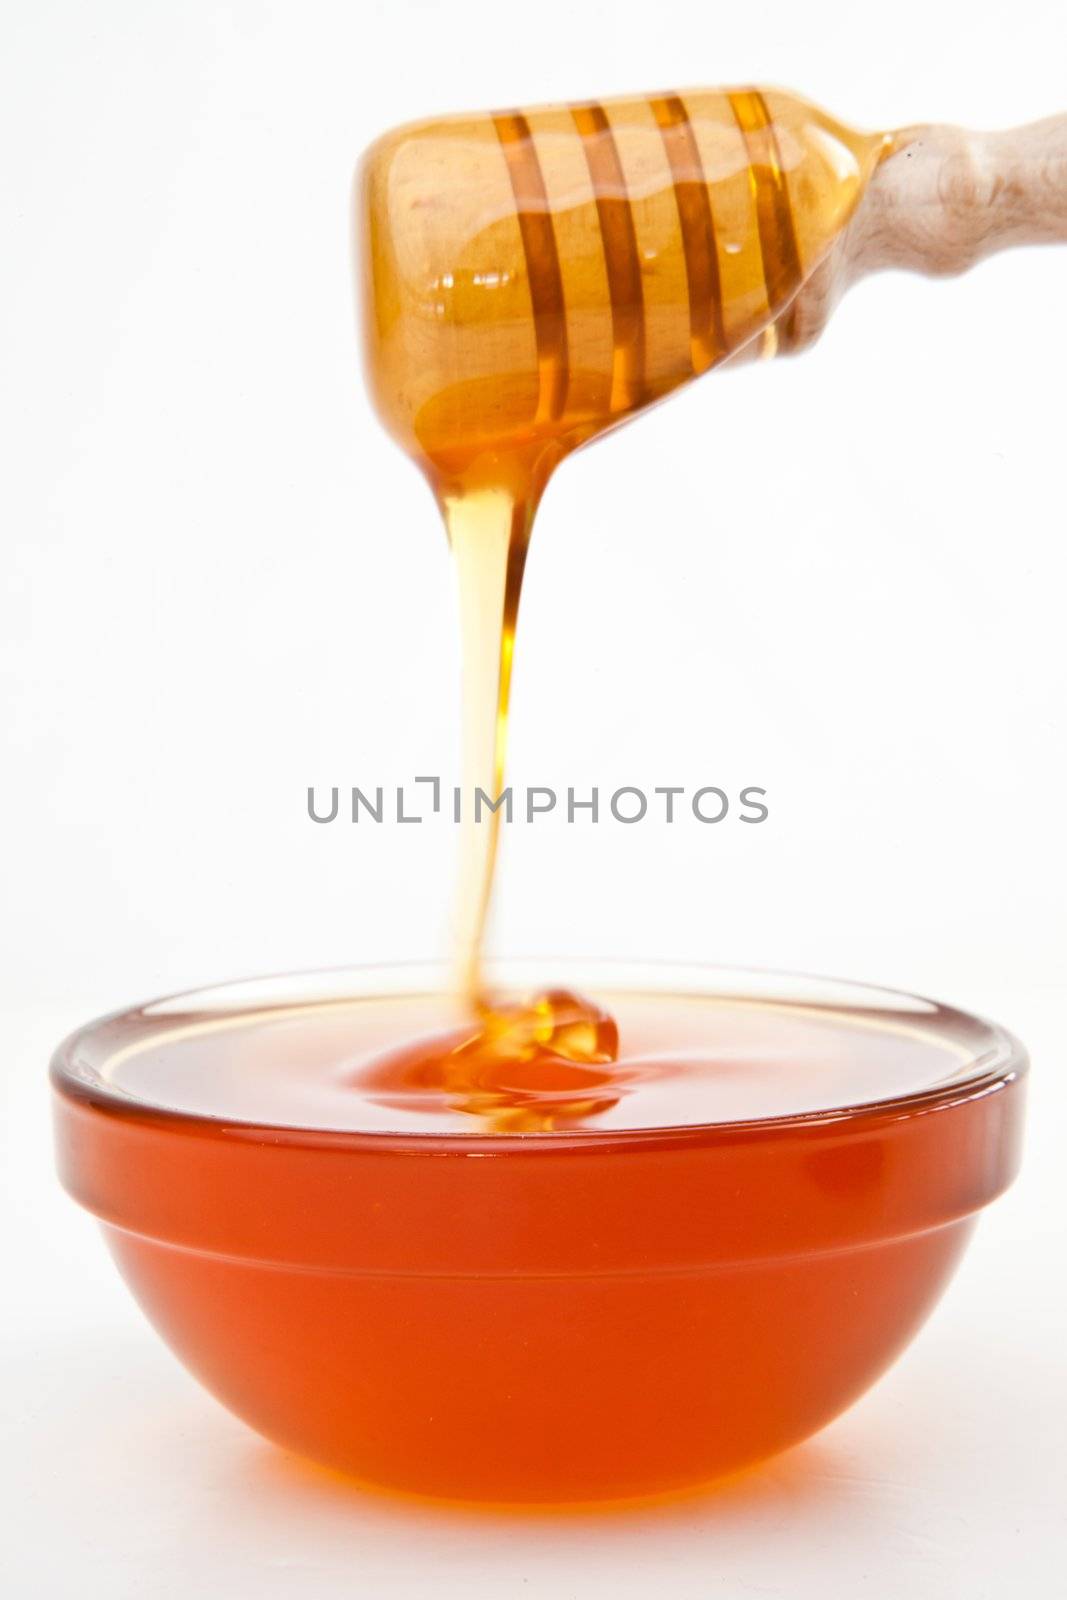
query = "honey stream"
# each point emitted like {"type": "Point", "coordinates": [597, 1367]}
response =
{"type": "Point", "coordinates": [532, 279]}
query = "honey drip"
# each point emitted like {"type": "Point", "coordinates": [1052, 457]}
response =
{"type": "Point", "coordinates": [532, 279]}
{"type": "Point", "coordinates": [520, 1067]}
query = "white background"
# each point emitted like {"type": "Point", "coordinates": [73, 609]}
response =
{"type": "Point", "coordinates": [840, 578]}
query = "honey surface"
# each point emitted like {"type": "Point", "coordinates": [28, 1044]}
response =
{"type": "Point", "coordinates": [615, 1061]}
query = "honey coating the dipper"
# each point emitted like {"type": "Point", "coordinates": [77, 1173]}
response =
{"type": "Point", "coordinates": [534, 277]}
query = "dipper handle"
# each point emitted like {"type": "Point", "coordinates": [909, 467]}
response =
{"type": "Point", "coordinates": [940, 200]}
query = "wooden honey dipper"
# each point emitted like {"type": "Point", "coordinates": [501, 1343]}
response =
{"type": "Point", "coordinates": [534, 277]}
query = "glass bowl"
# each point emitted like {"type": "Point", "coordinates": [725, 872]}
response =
{"type": "Point", "coordinates": [582, 1314]}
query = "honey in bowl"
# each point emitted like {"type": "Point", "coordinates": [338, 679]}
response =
{"type": "Point", "coordinates": [643, 1280]}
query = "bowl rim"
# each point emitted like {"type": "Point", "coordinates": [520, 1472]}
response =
{"type": "Point", "coordinates": [1002, 1063]}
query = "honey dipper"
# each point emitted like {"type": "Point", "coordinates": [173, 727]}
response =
{"type": "Point", "coordinates": [534, 277]}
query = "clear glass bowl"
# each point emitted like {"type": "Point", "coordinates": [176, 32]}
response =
{"type": "Point", "coordinates": [590, 1313]}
